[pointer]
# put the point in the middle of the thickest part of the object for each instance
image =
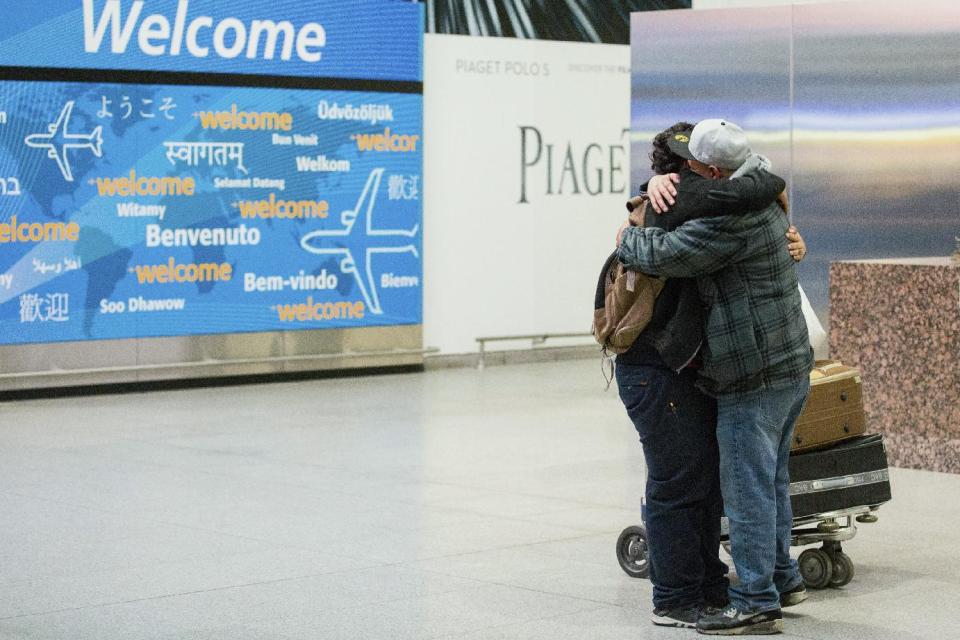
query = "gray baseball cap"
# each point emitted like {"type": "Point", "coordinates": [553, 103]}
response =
{"type": "Point", "coordinates": [719, 143]}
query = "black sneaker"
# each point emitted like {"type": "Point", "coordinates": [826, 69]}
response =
{"type": "Point", "coordinates": [715, 605]}
{"type": "Point", "coordinates": [733, 622]}
{"type": "Point", "coordinates": [685, 617]}
{"type": "Point", "coordinates": [794, 596]}
{"type": "Point", "coordinates": [712, 609]}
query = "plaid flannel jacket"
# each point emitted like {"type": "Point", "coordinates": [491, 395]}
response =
{"type": "Point", "coordinates": [755, 332]}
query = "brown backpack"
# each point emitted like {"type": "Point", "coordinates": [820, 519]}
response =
{"type": "Point", "coordinates": [624, 301]}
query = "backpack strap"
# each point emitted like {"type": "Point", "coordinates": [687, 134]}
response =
{"type": "Point", "coordinates": [600, 298]}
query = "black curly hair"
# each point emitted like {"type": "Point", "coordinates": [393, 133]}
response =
{"type": "Point", "coordinates": [664, 160]}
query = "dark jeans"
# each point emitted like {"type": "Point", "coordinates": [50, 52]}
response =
{"type": "Point", "coordinates": [677, 426]}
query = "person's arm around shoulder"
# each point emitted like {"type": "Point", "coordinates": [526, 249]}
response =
{"type": "Point", "coordinates": [752, 191]}
{"type": "Point", "coordinates": [696, 248]}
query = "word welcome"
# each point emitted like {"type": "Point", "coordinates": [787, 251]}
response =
{"type": "Point", "coordinates": [319, 311]}
{"type": "Point", "coordinates": [283, 209]}
{"type": "Point", "coordinates": [172, 271]}
{"type": "Point", "coordinates": [245, 120]}
{"type": "Point", "coordinates": [134, 185]}
{"type": "Point", "coordinates": [32, 232]}
{"type": "Point", "coordinates": [157, 35]}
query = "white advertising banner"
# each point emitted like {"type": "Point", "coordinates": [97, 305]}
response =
{"type": "Point", "coordinates": [526, 159]}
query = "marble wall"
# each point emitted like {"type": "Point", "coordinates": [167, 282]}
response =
{"type": "Point", "coordinates": [899, 321]}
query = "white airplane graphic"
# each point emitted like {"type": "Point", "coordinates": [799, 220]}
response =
{"type": "Point", "coordinates": [363, 273]}
{"type": "Point", "coordinates": [57, 141]}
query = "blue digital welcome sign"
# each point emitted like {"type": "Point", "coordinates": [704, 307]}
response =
{"type": "Point", "coordinates": [372, 39]}
{"type": "Point", "coordinates": [199, 171]}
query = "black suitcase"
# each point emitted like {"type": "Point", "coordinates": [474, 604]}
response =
{"type": "Point", "coordinates": [848, 475]}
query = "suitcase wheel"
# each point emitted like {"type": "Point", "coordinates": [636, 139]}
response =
{"type": "Point", "coordinates": [632, 552]}
{"type": "Point", "coordinates": [842, 570]}
{"type": "Point", "coordinates": [816, 568]}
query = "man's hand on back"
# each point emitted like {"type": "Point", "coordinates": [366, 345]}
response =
{"type": "Point", "coordinates": [661, 191]}
{"type": "Point", "coordinates": [797, 247]}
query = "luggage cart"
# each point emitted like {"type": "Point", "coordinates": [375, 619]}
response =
{"type": "Point", "coordinates": [827, 566]}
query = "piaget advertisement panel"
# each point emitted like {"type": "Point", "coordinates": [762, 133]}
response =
{"type": "Point", "coordinates": [544, 182]}
{"type": "Point", "coordinates": [132, 209]}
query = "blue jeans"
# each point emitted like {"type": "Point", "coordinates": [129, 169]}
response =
{"type": "Point", "coordinates": [754, 431]}
{"type": "Point", "coordinates": [677, 427]}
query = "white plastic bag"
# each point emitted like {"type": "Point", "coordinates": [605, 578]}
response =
{"type": "Point", "coordinates": [819, 339]}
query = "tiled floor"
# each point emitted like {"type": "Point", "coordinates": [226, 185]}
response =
{"type": "Point", "coordinates": [456, 503]}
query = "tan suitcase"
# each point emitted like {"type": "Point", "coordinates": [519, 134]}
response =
{"type": "Point", "coordinates": [834, 410]}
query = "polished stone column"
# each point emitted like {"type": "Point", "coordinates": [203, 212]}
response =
{"type": "Point", "coordinates": [898, 320]}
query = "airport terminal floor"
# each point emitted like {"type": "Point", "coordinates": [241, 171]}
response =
{"type": "Point", "coordinates": [449, 504]}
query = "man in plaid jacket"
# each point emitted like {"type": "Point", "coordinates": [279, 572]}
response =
{"type": "Point", "coordinates": [756, 362]}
